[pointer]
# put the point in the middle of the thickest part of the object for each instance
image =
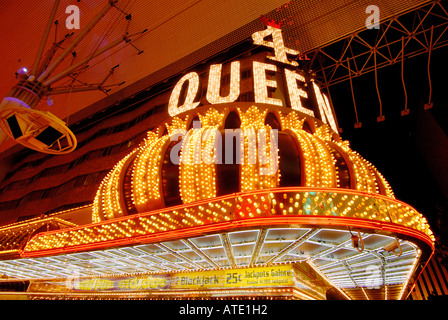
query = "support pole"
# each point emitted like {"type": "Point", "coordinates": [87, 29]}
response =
{"type": "Point", "coordinates": [357, 124]}
{"type": "Point", "coordinates": [80, 63]}
{"type": "Point", "coordinates": [381, 116]}
{"type": "Point", "coordinates": [78, 39]}
{"type": "Point", "coordinates": [329, 95]}
{"type": "Point", "coordinates": [45, 37]}
{"type": "Point", "coordinates": [429, 104]}
{"type": "Point", "coordinates": [406, 110]}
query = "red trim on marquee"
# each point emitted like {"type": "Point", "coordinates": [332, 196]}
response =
{"type": "Point", "coordinates": [320, 221]}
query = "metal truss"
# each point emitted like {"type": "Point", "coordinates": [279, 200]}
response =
{"type": "Point", "coordinates": [410, 34]}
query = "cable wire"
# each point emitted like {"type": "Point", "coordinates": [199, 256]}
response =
{"type": "Point", "coordinates": [353, 95]}
{"type": "Point", "coordinates": [405, 111]}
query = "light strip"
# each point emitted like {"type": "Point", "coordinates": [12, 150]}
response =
{"type": "Point", "coordinates": [373, 223]}
{"type": "Point", "coordinates": [326, 278]}
{"type": "Point", "coordinates": [37, 267]}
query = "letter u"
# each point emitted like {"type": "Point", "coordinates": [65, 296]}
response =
{"type": "Point", "coordinates": [214, 84]}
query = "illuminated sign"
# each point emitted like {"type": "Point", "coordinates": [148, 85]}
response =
{"type": "Point", "coordinates": [277, 44]}
{"type": "Point", "coordinates": [235, 278]}
{"type": "Point", "coordinates": [214, 81]}
{"type": "Point", "coordinates": [126, 284]}
{"type": "Point", "coordinates": [193, 85]}
{"type": "Point", "coordinates": [296, 83]}
{"type": "Point", "coordinates": [282, 275]}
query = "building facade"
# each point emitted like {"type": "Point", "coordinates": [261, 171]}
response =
{"type": "Point", "coordinates": [152, 204]}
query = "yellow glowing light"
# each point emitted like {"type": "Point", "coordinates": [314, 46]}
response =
{"type": "Point", "coordinates": [257, 169]}
{"type": "Point", "coordinates": [318, 160]}
{"type": "Point", "coordinates": [197, 174]}
{"type": "Point", "coordinates": [295, 93]}
{"type": "Point", "coordinates": [280, 51]}
{"type": "Point", "coordinates": [221, 210]}
{"type": "Point", "coordinates": [107, 202]}
{"type": "Point", "coordinates": [198, 158]}
{"type": "Point", "coordinates": [146, 177]}
{"type": "Point", "coordinates": [214, 84]}
{"type": "Point", "coordinates": [189, 104]}
{"type": "Point", "coordinates": [177, 124]}
{"type": "Point", "coordinates": [325, 108]}
{"type": "Point", "coordinates": [261, 83]}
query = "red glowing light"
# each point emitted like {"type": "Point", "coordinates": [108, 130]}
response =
{"type": "Point", "coordinates": [271, 22]}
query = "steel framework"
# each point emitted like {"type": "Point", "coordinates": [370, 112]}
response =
{"type": "Point", "coordinates": [411, 34]}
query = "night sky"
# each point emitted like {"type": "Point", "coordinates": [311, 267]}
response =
{"type": "Point", "coordinates": [391, 145]}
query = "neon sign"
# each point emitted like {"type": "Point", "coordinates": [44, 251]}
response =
{"type": "Point", "coordinates": [296, 83]}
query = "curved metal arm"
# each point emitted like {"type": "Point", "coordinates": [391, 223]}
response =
{"type": "Point", "coordinates": [357, 241]}
{"type": "Point", "coordinates": [398, 246]}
